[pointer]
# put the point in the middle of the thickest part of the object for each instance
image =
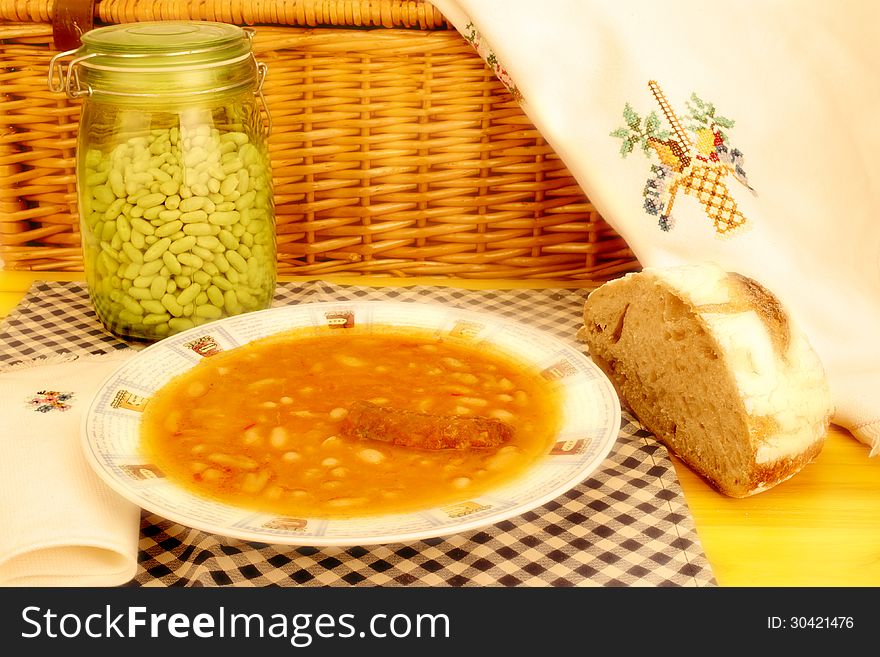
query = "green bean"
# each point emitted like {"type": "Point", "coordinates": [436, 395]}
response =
{"type": "Point", "coordinates": [168, 229]}
{"type": "Point", "coordinates": [171, 262]}
{"type": "Point", "coordinates": [189, 294]}
{"type": "Point", "coordinates": [151, 268]}
{"type": "Point", "coordinates": [182, 244]}
{"type": "Point", "coordinates": [157, 249]}
{"type": "Point", "coordinates": [169, 301]}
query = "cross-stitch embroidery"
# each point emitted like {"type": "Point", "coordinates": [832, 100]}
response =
{"type": "Point", "coordinates": [50, 400]}
{"type": "Point", "coordinates": [695, 160]}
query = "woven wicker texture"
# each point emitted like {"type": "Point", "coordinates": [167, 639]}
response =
{"type": "Point", "coordinates": [395, 150]}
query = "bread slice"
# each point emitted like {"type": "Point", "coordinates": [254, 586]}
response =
{"type": "Point", "coordinates": [711, 363]}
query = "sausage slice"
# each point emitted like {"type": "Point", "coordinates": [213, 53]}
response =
{"type": "Point", "coordinates": [368, 421]}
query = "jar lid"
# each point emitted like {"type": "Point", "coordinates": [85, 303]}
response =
{"type": "Point", "coordinates": [158, 58]}
{"type": "Point", "coordinates": [151, 43]}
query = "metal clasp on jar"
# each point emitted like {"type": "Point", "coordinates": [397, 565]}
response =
{"type": "Point", "coordinates": [69, 83]}
{"type": "Point", "coordinates": [262, 71]}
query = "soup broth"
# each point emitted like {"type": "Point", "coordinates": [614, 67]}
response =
{"type": "Point", "coordinates": [259, 426]}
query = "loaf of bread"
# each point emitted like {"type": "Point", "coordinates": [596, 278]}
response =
{"type": "Point", "coordinates": [712, 364]}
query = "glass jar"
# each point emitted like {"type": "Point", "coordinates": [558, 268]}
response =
{"type": "Point", "coordinates": [173, 175]}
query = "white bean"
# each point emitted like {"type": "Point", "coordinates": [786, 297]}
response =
{"type": "Point", "coordinates": [211, 475]}
{"type": "Point", "coordinates": [370, 455]}
{"type": "Point", "coordinates": [196, 389]}
{"type": "Point", "coordinates": [349, 361]}
{"type": "Point", "coordinates": [278, 437]}
{"type": "Point", "coordinates": [274, 492]}
{"type": "Point", "coordinates": [251, 437]}
{"type": "Point", "coordinates": [503, 415]}
{"type": "Point", "coordinates": [503, 458]}
{"type": "Point", "coordinates": [254, 482]}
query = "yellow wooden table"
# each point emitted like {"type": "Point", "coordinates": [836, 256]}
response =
{"type": "Point", "coordinates": [820, 528]}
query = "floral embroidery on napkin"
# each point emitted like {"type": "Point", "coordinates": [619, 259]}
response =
{"type": "Point", "coordinates": [51, 400]}
{"type": "Point", "coordinates": [694, 160]}
{"type": "Point", "coordinates": [473, 37]}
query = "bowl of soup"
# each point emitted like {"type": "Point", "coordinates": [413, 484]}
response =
{"type": "Point", "coordinates": [351, 423]}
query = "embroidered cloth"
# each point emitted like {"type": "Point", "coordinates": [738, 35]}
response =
{"type": "Point", "coordinates": [62, 525]}
{"type": "Point", "coordinates": [740, 132]}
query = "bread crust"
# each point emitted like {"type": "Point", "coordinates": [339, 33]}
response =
{"type": "Point", "coordinates": [768, 308]}
{"type": "Point", "coordinates": [751, 405]}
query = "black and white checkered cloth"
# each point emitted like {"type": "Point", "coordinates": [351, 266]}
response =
{"type": "Point", "coordinates": [626, 525]}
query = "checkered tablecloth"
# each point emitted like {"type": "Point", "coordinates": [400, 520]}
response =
{"type": "Point", "coordinates": [627, 525]}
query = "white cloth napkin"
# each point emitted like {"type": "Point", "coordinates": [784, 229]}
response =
{"type": "Point", "coordinates": [62, 526]}
{"type": "Point", "coordinates": [756, 146]}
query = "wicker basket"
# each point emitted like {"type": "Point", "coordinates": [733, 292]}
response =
{"type": "Point", "coordinates": [395, 150]}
